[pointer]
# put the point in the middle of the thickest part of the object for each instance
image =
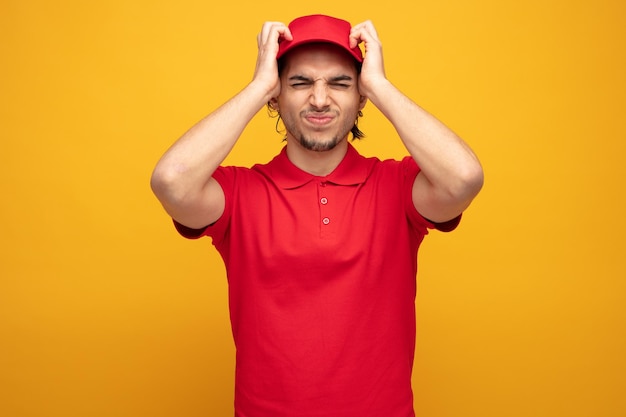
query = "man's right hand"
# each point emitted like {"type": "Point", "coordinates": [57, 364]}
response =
{"type": "Point", "coordinates": [183, 178]}
{"type": "Point", "coordinates": [266, 71]}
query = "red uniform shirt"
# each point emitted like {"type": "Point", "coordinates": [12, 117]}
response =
{"type": "Point", "coordinates": [322, 281]}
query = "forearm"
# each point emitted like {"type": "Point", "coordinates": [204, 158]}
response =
{"type": "Point", "coordinates": [191, 161]}
{"type": "Point", "coordinates": [445, 159]}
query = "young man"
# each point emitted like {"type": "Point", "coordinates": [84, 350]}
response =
{"type": "Point", "coordinates": [320, 244]}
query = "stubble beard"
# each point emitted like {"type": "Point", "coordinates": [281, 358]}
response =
{"type": "Point", "coordinates": [317, 146]}
{"type": "Point", "coordinates": [307, 142]}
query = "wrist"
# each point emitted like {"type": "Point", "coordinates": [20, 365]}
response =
{"type": "Point", "coordinates": [260, 91]}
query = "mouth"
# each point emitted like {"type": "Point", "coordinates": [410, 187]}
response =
{"type": "Point", "coordinates": [319, 119]}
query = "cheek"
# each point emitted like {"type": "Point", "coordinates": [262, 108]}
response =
{"type": "Point", "coordinates": [288, 104]}
{"type": "Point", "coordinates": [352, 109]}
{"type": "Point", "coordinates": [288, 119]}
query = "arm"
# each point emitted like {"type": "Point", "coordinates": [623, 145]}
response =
{"type": "Point", "coordinates": [451, 175]}
{"type": "Point", "coordinates": [182, 179]}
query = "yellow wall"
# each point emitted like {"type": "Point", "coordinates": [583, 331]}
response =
{"type": "Point", "coordinates": [105, 311]}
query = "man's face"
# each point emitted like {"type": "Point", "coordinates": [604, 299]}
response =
{"type": "Point", "coordinates": [319, 98]}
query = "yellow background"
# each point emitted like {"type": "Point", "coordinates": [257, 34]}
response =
{"type": "Point", "coordinates": [106, 311]}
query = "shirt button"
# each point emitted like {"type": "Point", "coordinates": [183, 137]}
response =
{"type": "Point", "coordinates": [325, 220]}
{"type": "Point", "coordinates": [324, 200]}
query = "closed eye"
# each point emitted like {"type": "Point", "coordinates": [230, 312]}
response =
{"type": "Point", "coordinates": [340, 82]}
{"type": "Point", "coordinates": [299, 81]}
{"type": "Point", "coordinates": [300, 84]}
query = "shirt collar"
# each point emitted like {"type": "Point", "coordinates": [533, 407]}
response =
{"type": "Point", "coordinates": [352, 170]}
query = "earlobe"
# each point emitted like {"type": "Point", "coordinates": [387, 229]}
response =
{"type": "Point", "coordinates": [362, 102]}
{"type": "Point", "coordinates": [273, 104]}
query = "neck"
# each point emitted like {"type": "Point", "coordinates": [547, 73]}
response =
{"type": "Point", "coordinates": [314, 162]}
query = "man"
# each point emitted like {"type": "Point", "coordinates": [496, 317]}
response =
{"type": "Point", "coordinates": [320, 244]}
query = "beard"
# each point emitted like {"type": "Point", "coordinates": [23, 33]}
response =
{"type": "Point", "coordinates": [318, 146]}
{"type": "Point", "coordinates": [310, 143]}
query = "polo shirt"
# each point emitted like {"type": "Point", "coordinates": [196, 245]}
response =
{"type": "Point", "coordinates": [322, 284]}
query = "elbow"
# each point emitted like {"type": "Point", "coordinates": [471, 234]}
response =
{"type": "Point", "coordinates": [469, 182]}
{"type": "Point", "coordinates": [158, 181]}
{"type": "Point", "coordinates": [474, 179]}
{"type": "Point", "coordinates": [165, 184]}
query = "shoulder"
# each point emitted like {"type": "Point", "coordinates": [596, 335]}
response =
{"type": "Point", "coordinates": [404, 167]}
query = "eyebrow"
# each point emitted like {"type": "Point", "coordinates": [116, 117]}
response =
{"type": "Point", "coordinates": [331, 79]}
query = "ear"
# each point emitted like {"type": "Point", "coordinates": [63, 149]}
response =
{"type": "Point", "coordinates": [362, 102]}
{"type": "Point", "coordinates": [273, 103]}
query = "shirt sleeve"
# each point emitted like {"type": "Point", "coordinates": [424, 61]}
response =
{"type": "Point", "coordinates": [225, 177]}
{"type": "Point", "coordinates": [448, 226]}
{"type": "Point", "coordinates": [188, 232]}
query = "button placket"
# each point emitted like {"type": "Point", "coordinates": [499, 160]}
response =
{"type": "Point", "coordinates": [324, 202]}
{"type": "Point", "coordinates": [325, 217]}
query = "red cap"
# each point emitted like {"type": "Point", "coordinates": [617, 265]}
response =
{"type": "Point", "coordinates": [319, 28]}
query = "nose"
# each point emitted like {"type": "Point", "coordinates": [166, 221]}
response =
{"type": "Point", "coordinates": [319, 95]}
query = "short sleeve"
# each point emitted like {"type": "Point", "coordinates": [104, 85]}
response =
{"type": "Point", "coordinates": [188, 232]}
{"type": "Point", "coordinates": [226, 178]}
{"type": "Point", "coordinates": [448, 226]}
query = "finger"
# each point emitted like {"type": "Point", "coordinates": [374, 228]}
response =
{"type": "Point", "coordinates": [273, 32]}
{"type": "Point", "coordinates": [363, 32]}
{"type": "Point", "coordinates": [369, 27]}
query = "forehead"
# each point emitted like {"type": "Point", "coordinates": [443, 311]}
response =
{"type": "Point", "coordinates": [319, 58]}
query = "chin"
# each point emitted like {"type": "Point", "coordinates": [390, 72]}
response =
{"type": "Point", "coordinates": [320, 144]}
